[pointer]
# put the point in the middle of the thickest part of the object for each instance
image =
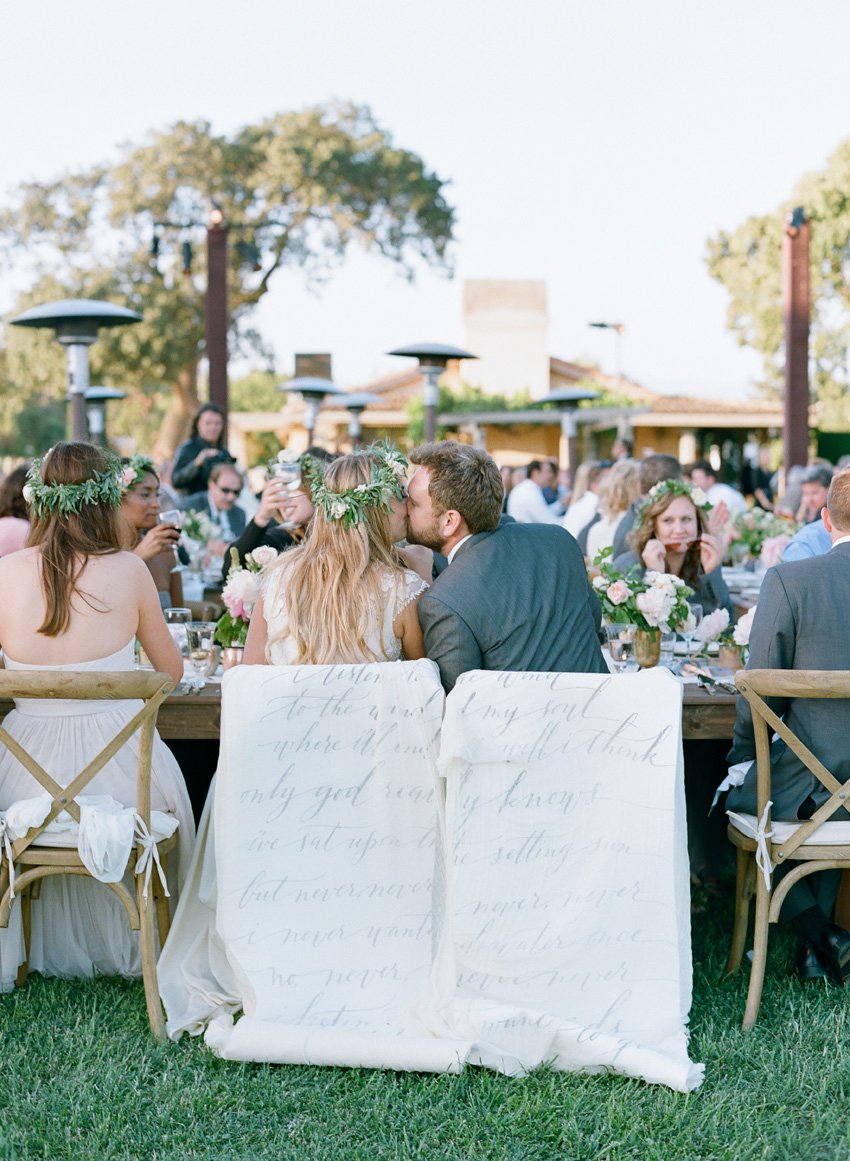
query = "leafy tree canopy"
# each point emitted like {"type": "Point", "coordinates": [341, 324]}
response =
{"type": "Point", "coordinates": [748, 263]}
{"type": "Point", "coordinates": [296, 190]}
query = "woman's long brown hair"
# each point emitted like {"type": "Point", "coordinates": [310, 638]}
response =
{"type": "Point", "coordinates": [66, 542]}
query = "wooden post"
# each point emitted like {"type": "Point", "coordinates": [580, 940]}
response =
{"type": "Point", "coordinates": [795, 295]}
{"type": "Point", "coordinates": [217, 317]}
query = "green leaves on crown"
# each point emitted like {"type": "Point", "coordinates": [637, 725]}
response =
{"type": "Point", "coordinates": [136, 467]}
{"type": "Point", "coordinates": [676, 488]}
{"type": "Point", "coordinates": [350, 506]}
{"type": "Point", "coordinates": [103, 488]}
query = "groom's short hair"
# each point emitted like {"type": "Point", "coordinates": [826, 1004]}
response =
{"type": "Point", "coordinates": [464, 479]}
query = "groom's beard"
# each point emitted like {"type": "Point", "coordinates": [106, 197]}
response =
{"type": "Point", "coordinates": [429, 537]}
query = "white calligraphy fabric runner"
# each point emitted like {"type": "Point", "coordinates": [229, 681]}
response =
{"type": "Point", "coordinates": [325, 822]}
{"type": "Point", "coordinates": [567, 930]}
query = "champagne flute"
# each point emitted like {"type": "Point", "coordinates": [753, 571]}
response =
{"type": "Point", "coordinates": [199, 636]}
{"type": "Point", "coordinates": [621, 644]}
{"type": "Point", "coordinates": [173, 516]}
{"type": "Point", "coordinates": [691, 627]}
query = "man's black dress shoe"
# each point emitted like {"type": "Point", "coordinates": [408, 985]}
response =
{"type": "Point", "coordinates": [835, 952]}
{"type": "Point", "coordinates": [809, 965]}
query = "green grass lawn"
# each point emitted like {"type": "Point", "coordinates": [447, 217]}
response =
{"type": "Point", "coordinates": [82, 1079]}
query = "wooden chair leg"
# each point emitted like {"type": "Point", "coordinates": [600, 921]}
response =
{"type": "Point", "coordinates": [760, 937]}
{"type": "Point", "coordinates": [163, 913]}
{"type": "Point", "coordinates": [147, 946]}
{"type": "Point", "coordinates": [26, 923]}
{"type": "Point", "coordinates": [744, 886]}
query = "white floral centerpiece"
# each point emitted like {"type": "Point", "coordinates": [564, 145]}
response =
{"type": "Point", "coordinates": [240, 595]}
{"type": "Point", "coordinates": [657, 600]}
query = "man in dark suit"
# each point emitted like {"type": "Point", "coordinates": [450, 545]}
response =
{"type": "Point", "coordinates": [802, 622]}
{"type": "Point", "coordinates": [513, 596]}
{"type": "Point", "coordinates": [219, 501]}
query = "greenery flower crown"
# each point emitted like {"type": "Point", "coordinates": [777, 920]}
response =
{"type": "Point", "coordinates": [350, 506]}
{"type": "Point", "coordinates": [103, 488]}
{"type": "Point", "coordinates": [136, 467]}
{"type": "Point", "coordinates": [676, 488]}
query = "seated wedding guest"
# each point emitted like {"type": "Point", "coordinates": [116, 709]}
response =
{"type": "Point", "coordinates": [619, 491]}
{"type": "Point", "coordinates": [811, 540]}
{"type": "Point", "coordinates": [513, 596]}
{"type": "Point", "coordinates": [673, 537]}
{"type": "Point", "coordinates": [814, 485]}
{"type": "Point", "coordinates": [196, 458]}
{"type": "Point", "coordinates": [154, 543]}
{"type": "Point", "coordinates": [801, 622]}
{"type": "Point", "coordinates": [219, 503]}
{"type": "Point", "coordinates": [73, 601]}
{"type": "Point", "coordinates": [653, 469]}
{"type": "Point", "coordinates": [584, 499]}
{"type": "Point", "coordinates": [528, 502]}
{"type": "Point", "coordinates": [14, 517]}
{"type": "Point", "coordinates": [704, 477]}
{"type": "Point", "coordinates": [344, 596]}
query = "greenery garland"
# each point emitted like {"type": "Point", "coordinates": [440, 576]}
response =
{"type": "Point", "coordinates": [44, 499]}
{"type": "Point", "coordinates": [350, 506]}
{"type": "Point", "coordinates": [676, 488]}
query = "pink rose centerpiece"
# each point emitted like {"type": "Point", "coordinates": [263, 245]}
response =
{"type": "Point", "coordinates": [240, 594]}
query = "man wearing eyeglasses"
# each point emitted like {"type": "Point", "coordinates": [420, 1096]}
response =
{"type": "Point", "coordinates": [219, 502]}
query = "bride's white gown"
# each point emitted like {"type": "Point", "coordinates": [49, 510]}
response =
{"type": "Point", "coordinates": [78, 926]}
{"type": "Point", "coordinates": [196, 981]}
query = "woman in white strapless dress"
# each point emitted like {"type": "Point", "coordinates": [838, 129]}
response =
{"type": "Point", "coordinates": [345, 596]}
{"type": "Point", "coordinates": [74, 601]}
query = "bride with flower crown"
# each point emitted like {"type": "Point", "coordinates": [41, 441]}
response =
{"type": "Point", "coordinates": [346, 596]}
{"type": "Point", "coordinates": [74, 601]}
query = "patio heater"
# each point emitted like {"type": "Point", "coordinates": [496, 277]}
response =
{"type": "Point", "coordinates": [76, 322]}
{"type": "Point", "coordinates": [312, 390]}
{"type": "Point", "coordinates": [567, 399]}
{"type": "Point", "coordinates": [354, 404]}
{"type": "Point", "coordinates": [96, 400]}
{"type": "Point", "coordinates": [433, 358]}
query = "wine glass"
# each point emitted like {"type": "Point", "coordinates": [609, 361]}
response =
{"type": "Point", "coordinates": [691, 627]}
{"type": "Point", "coordinates": [173, 516]}
{"type": "Point", "coordinates": [621, 644]}
{"type": "Point", "coordinates": [289, 474]}
{"type": "Point", "coordinates": [177, 620]}
{"type": "Point", "coordinates": [199, 637]}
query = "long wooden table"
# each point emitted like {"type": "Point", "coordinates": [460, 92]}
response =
{"type": "Point", "coordinates": [198, 715]}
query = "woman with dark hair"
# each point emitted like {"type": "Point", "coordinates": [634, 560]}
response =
{"type": "Point", "coordinates": [143, 535]}
{"type": "Point", "coordinates": [14, 518]}
{"type": "Point", "coordinates": [74, 601]}
{"type": "Point", "coordinates": [196, 458]}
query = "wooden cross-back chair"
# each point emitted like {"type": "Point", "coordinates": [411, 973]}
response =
{"type": "Point", "coordinates": [763, 845]}
{"type": "Point", "coordinates": [34, 858]}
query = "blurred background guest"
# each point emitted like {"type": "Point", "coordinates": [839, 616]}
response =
{"type": "Point", "coordinates": [14, 517]}
{"type": "Point", "coordinates": [219, 502]}
{"type": "Point", "coordinates": [196, 458]}
{"type": "Point", "coordinates": [619, 491]}
{"type": "Point", "coordinates": [584, 499]}
{"type": "Point", "coordinates": [528, 502]}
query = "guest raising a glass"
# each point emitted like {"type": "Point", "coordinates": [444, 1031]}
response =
{"type": "Point", "coordinates": [672, 536]}
{"type": "Point", "coordinates": [155, 543]}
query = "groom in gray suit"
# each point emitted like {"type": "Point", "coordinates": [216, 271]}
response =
{"type": "Point", "coordinates": [513, 596]}
{"type": "Point", "coordinates": [803, 622]}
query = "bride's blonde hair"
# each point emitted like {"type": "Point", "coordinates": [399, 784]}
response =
{"type": "Point", "coordinates": [331, 588]}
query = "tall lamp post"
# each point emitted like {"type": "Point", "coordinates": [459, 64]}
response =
{"type": "Point", "coordinates": [76, 322]}
{"type": "Point", "coordinates": [433, 358]}
{"type": "Point", "coordinates": [96, 400]}
{"type": "Point", "coordinates": [355, 403]}
{"type": "Point", "coordinates": [567, 399]}
{"type": "Point", "coordinates": [312, 390]}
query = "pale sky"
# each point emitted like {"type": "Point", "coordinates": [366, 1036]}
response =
{"type": "Point", "coordinates": [594, 145]}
